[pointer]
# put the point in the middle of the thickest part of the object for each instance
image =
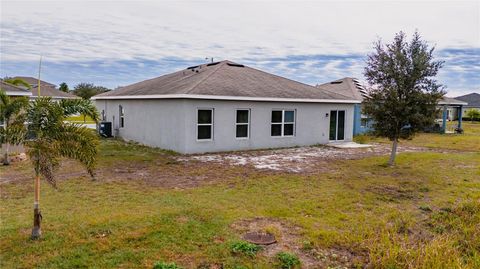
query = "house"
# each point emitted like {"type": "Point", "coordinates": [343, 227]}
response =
{"type": "Point", "coordinates": [12, 90]}
{"type": "Point", "coordinates": [351, 88]}
{"type": "Point", "coordinates": [450, 108]}
{"type": "Point", "coordinates": [472, 100]}
{"type": "Point", "coordinates": [46, 89]}
{"type": "Point", "coordinates": [225, 106]}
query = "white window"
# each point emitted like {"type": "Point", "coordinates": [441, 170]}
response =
{"type": "Point", "coordinates": [242, 123]}
{"type": "Point", "coordinates": [283, 123]}
{"type": "Point", "coordinates": [204, 124]}
{"type": "Point", "coordinates": [121, 118]}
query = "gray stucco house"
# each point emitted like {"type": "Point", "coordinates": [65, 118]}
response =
{"type": "Point", "coordinates": [225, 106]}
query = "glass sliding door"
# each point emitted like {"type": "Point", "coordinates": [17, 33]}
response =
{"type": "Point", "coordinates": [337, 125]}
{"type": "Point", "coordinates": [341, 125]}
{"type": "Point", "coordinates": [333, 125]}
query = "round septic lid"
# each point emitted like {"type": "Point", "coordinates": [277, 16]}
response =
{"type": "Point", "coordinates": [260, 238]}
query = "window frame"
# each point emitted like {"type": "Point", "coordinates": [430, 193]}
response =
{"type": "Point", "coordinates": [212, 111]}
{"type": "Point", "coordinates": [121, 117]}
{"type": "Point", "coordinates": [283, 122]}
{"type": "Point", "coordinates": [242, 123]}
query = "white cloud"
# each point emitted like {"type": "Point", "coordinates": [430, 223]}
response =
{"type": "Point", "coordinates": [124, 30]}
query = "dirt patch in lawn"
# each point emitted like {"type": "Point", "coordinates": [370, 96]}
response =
{"type": "Point", "coordinates": [289, 239]}
{"type": "Point", "coordinates": [190, 171]}
{"type": "Point", "coordinates": [296, 160]}
{"type": "Point", "coordinates": [164, 172]}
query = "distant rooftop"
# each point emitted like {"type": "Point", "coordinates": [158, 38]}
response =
{"type": "Point", "coordinates": [13, 90]}
{"type": "Point", "coordinates": [34, 81]}
{"type": "Point", "coordinates": [348, 87]}
{"type": "Point", "coordinates": [51, 91]}
{"type": "Point", "coordinates": [473, 99]}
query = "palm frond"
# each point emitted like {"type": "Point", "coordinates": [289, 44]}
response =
{"type": "Point", "coordinates": [17, 82]}
{"type": "Point", "coordinates": [78, 143]}
{"type": "Point", "coordinates": [44, 156]}
{"type": "Point", "coordinates": [79, 106]}
{"type": "Point", "coordinates": [14, 134]}
{"type": "Point", "coordinates": [51, 138]}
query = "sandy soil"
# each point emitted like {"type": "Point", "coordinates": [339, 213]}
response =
{"type": "Point", "coordinates": [295, 160]}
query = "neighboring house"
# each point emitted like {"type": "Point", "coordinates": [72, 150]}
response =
{"type": "Point", "coordinates": [473, 100]}
{"type": "Point", "coordinates": [450, 108]}
{"type": "Point", "coordinates": [225, 106]}
{"type": "Point", "coordinates": [351, 88]}
{"type": "Point", "coordinates": [46, 89]}
{"type": "Point", "coordinates": [34, 81]}
{"type": "Point", "coordinates": [12, 90]}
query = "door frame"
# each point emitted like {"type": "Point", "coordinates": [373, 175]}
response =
{"type": "Point", "coordinates": [336, 125]}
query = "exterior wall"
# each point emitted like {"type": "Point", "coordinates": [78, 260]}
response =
{"type": "Point", "coordinates": [358, 128]}
{"type": "Point", "coordinates": [311, 125]}
{"type": "Point", "coordinates": [156, 123]}
{"type": "Point", "coordinates": [172, 124]}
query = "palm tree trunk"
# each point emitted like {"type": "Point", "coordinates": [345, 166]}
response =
{"type": "Point", "coordinates": [6, 158]}
{"type": "Point", "coordinates": [37, 215]}
{"type": "Point", "coordinates": [393, 154]}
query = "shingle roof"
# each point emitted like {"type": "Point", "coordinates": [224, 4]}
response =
{"type": "Point", "coordinates": [451, 101]}
{"type": "Point", "coordinates": [226, 79]}
{"type": "Point", "coordinates": [473, 99]}
{"type": "Point", "coordinates": [34, 81]}
{"type": "Point", "coordinates": [348, 87]}
{"type": "Point", "coordinates": [13, 90]}
{"type": "Point", "coordinates": [51, 91]}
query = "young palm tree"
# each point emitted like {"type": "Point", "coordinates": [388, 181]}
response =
{"type": "Point", "coordinates": [50, 138]}
{"type": "Point", "coordinates": [12, 114]}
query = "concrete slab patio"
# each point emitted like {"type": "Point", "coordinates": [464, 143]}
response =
{"type": "Point", "coordinates": [348, 145]}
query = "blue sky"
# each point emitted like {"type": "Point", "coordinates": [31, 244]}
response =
{"type": "Point", "coordinates": [121, 42]}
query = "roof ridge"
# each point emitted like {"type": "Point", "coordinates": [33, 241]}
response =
{"type": "Point", "coordinates": [209, 75]}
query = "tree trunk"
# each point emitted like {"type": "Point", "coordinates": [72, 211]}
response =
{"type": "Point", "coordinates": [393, 154]}
{"type": "Point", "coordinates": [37, 215]}
{"type": "Point", "coordinates": [6, 158]}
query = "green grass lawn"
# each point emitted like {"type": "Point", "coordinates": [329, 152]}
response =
{"type": "Point", "coordinates": [81, 118]}
{"type": "Point", "coordinates": [469, 141]}
{"type": "Point", "coordinates": [423, 213]}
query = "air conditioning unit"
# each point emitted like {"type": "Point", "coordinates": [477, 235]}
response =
{"type": "Point", "coordinates": [105, 129]}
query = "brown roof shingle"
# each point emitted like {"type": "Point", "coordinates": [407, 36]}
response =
{"type": "Point", "coordinates": [223, 79]}
{"type": "Point", "coordinates": [34, 81]}
{"type": "Point", "coordinates": [51, 91]}
{"type": "Point", "coordinates": [13, 90]}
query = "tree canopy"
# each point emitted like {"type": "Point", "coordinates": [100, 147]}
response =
{"type": "Point", "coordinates": [63, 87]}
{"type": "Point", "coordinates": [87, 90]}
{"type": "Point", "coordinates": [404, 92]}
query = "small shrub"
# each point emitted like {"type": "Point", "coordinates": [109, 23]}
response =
{"type": "Point", "coordinates": [307, 245]}
{"type": "Point", "coordinates": [165, 265]}
{"type": "Point", "coordinates": [287, 260]}
{"type": "Point", "coordinates": [361, 139]}
{"type": "Point", "coordinates": [245, 248]}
